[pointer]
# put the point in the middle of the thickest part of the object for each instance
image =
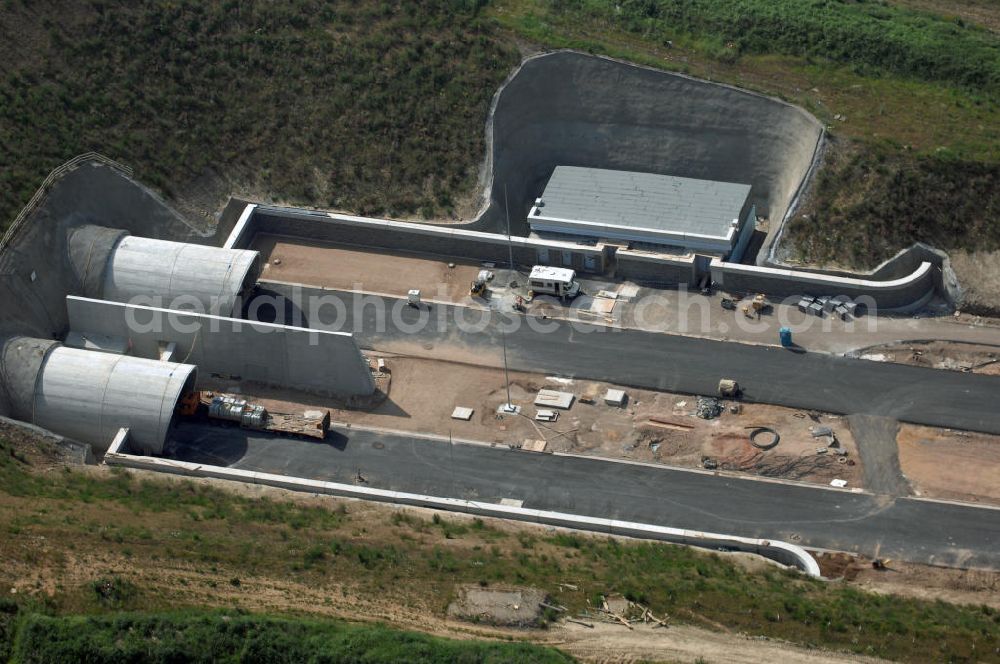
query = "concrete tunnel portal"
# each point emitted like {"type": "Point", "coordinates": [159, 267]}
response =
{"type": "Point", "coordinates": [113, 265]}
{"type": "Point", "coordinates": [88, 395]}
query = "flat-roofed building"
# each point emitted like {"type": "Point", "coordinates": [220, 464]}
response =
{"type": "Point", "coordinates": [664, 211]}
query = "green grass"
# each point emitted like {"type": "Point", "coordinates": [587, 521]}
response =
{"type": "Point", "coordinates": [193, 636]}
{"type": "Point", "coordinates": [377, 107]}
{"type": "Point", "coordinates": [875, 37]}
{"type": "Point", "coordinates": [412, 560]}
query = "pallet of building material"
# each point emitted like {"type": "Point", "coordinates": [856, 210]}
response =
{"type": "Point", "coordinates": [314, 427]}
{"type": "Point", "coordinates": [533, 445]}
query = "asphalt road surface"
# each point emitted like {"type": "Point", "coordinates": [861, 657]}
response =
{"type": "Point", "coordinates": [780, 376]}
{"type": "Point", "coordinates": [902, 528]}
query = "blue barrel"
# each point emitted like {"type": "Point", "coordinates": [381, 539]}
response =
{"type": "Point", "coordinates": [785, 335]}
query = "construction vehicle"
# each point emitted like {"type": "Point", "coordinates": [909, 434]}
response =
{"type": "Point", "coordinates": [479, 283]}
{"type": "Point", "coordinates": [221, 408]}
{"type": "Point", "coordinates": [757, 306]}
{"type": "Point", "coordinates": [729, 388]}
{"type": "Point", "coordinates": [558, 281]}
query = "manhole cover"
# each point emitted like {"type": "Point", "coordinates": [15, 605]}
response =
{"type": "Point", "coordinates": [378, 445]}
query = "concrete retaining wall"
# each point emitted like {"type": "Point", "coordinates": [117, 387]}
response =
{"type": "Point", "coordinates": [312, 360]}
{"type": "Point", "coordinates": [575, 109]}
{"type": "Point", "coordinates": [657, 269]}
{"type": "Point", "coordinates": [787, 554]}
{"type": "Point", "coordinates": [892, 294]}
{"type": "Point", "coordinates": [904, 263]}
{"type": "Point", "coordinates": [402, 236]}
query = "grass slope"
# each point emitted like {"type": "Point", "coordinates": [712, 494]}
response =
{"type": "Point", "coordinates": [194, 636]}
{"type": "Point", "coordinates": [868, 205]}
{"type": "Point", "coordinates": [117, 542]}
{"type": "Point", "coordinates": [872, 36]}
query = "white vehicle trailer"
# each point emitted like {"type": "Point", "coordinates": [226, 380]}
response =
{"type": "Point", "coordinates": [558, 281]}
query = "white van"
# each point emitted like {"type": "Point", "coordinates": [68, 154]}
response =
{"type": "Point", "coordinates": [558, 281]}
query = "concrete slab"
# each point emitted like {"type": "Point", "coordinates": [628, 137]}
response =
{"type": "Point", "coordinates": [615, 398]}
{"type": "Point", "coordinates": [601, 305]}
{"type": "Point", "coordinates": [554, 399]}
{"type": "Point", "coordinates": [462, 413]}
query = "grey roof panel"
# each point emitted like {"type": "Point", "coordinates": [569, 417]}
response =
{"type": "Point", "coordinates": [643, 200]}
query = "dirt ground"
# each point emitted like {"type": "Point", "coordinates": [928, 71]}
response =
{"type": "Point", "coordinates": [980, 279]}
{"type": "Point", "coordinates": [949, 355]}
{"type": "Point", "coordinates": [371, 270]}
{"type": "Point", "coordinates": [951, 465]}
{"type": "Point", "coordinates": [984, 12]}
{"type": "Point", "coordinates": [921, 581]}
{"type": "Point", "coordinates": [653, 427]}
{"type": "Point", "coordinates": [513, 607]}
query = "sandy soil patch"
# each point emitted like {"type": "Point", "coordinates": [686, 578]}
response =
{"type": "Point", "coordinates": [513, 607]}
{"type": "Point", "coordinates": [951, 465]}
{"type": "Point", "coordinates": [980, 279]}
{"type": "Point", "coordinates": [948, 355]}
{"type": "Point", "coordinates": [368, 269]}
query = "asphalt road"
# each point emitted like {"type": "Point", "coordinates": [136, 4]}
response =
{"type": "Point", "coordinates": [792, 378]}
{"type": "Point", "coordinates": [902, 528]}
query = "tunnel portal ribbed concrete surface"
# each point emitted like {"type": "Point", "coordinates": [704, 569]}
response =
{"type": "Point", "coordinates": [573, 109]}
{"type": "Point", "coordinates": [179, 275]}
{"type": "Point", "coordinates": [90, 249]}
{"type": "Point", "coordinates": [89, 396]}
{"type": "Point", "coordinates": [20, 363]}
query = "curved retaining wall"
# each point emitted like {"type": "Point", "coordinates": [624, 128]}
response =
{"type": "Point", "coordinates": [904, 263]}
{"type": "Point", "coordinates": [575, 109]}
{"type": "Point", "coordinates": [914, 288]}
{"type": "Point", "coordinates": [787, 554]}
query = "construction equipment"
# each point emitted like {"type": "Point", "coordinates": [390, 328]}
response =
{"type": "Point", "coordinates": [757, 306]}
{"type": "Point", "coordinates": [479, 283]}
{"type": "Point", "coordinates": [217, 407]}
{"type": "Point", "coordinates": [729, 388]}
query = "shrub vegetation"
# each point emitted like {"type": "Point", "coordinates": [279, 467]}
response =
{"type": "Point", "coordinates": [376, 107]}
{"type": "Point", "coordinates": [196, 636]}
